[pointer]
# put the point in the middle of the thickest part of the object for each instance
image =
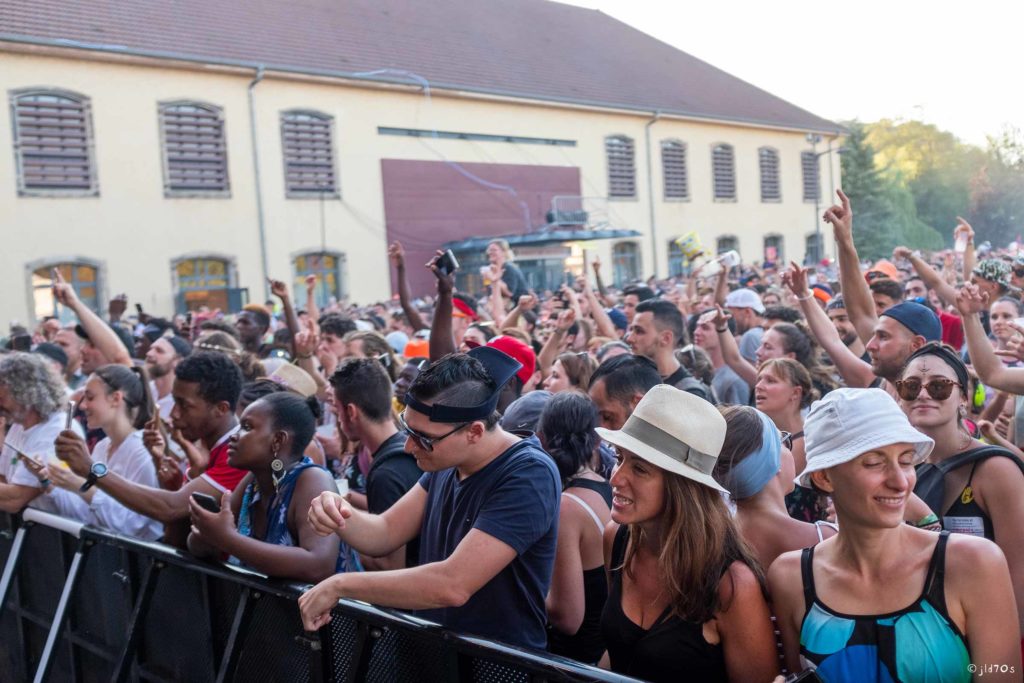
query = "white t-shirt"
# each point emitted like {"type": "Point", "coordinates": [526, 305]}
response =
{"type": "Point", "coordinates": [131, 461]}
{"type": "Point", "coordinates": [37, 442]}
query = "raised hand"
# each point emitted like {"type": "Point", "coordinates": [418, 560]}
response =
{"type": "Point", "coordinates": [310, 283]}
{"type": "Point", "coordinates": [397, 255]}
{"type": "Point", "coordinates": [565, 320]}
{"type": "Point", "coordinates": [963, 228]}
{"type": "Point", "coordinates": [307, 340]}
{"type": "Point", "coordinates": [901, 253]}
{"type": "Point", "coordinates": [445, 283]}
{"type": "Point", "coordinates": [71, 448]}
{"type": "Point", "coordinates": [62, 291]}
{"type": "Point", "coordinates": [795, 279]}
{"type": "Point", "coordinates": [970, 300]}
{"type": "Point", "coordinates": [278, 288]}
{"type": "Point", "coordinates": [527, 302]}
{"type": "Point", "coordinates": [840, 216]}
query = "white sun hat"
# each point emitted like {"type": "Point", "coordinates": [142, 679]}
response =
{"type": "Point", "coordinates": [675, 431]}
{"type": "Point", "coordinates": [850, 422]}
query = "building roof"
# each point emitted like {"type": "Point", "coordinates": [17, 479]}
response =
{"type": "Point", "coordinates": [521, 48]}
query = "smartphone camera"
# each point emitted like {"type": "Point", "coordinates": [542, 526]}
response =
{"type": "Point", "coordinates": [447, 263]}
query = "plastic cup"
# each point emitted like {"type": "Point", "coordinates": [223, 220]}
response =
{"type": "Point", "coordinates": [960, 245]}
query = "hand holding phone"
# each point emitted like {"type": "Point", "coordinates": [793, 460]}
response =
{"type": "Point", "coordinates": [207, 502]}
{"type": "Point", "coordinates": [447, 263]}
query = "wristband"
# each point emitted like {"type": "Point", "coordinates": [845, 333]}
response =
{"type": "Point", "coordinates": [930, 518]}
{"type": "Point", "coordinates": [805, 298]}
{"type": "Point", "coordinates": [722, 330]}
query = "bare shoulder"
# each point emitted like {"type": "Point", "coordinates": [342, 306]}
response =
{"type": "Point", "coordinates": [738, 582]}
{"type": "Point", "coordinates": [971, 557]}
{"type": "Point", "coordinates": [784, 578]}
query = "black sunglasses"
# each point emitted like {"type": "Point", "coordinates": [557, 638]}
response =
{"type": "Point", "coordinates": [787, 439]}
{"type": "Point", "coordinates": [422, 440]}
{"type": "Point", "coordinates": [938, 388]}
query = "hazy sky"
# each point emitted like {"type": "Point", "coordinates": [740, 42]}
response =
{"type": "Point", "coordinates": [957, 65]}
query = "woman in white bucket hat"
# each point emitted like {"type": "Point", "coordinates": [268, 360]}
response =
{"type": "Point", "coordinates": [686, 599]}
{"type": "Point", "coordinates": [883, 600]}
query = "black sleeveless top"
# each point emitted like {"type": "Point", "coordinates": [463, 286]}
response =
{"type": "Point", "coordinates": [671, 650]}
{"type": "Point", "coordinates": [965, 516]}
{"type": "Point", "coordinates": [587, 644]}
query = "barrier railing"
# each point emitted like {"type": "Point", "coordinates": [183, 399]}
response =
{"type": "Point", "coordinates": [81, 604]}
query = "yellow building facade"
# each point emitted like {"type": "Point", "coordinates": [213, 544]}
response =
{"type": "Point", "coordinates": [166, 250]}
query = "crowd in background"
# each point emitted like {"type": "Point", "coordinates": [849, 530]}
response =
{"type": "Point", "coordinates": [754, 469]}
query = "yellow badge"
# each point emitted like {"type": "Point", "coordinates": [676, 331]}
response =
{"type": "Point", "coordinates": [967, 496]}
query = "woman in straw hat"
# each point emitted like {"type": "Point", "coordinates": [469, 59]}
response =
{"type": "Point", "coordinates": [883, 600]}
{"type": "Point", "coordinates": [686, 598]}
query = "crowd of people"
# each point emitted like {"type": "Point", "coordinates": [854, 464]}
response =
{"type": "Point", "coordinates": [751, 471]}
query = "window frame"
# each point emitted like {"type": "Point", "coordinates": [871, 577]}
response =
{"type": "Point", "coordinates": [732, 172]}
{"type": "Point", "coordinates": [335, 191]}
{"type": "Point", "coordinates": [815, 162]}
{"type": "Point", "coordinates": [340, 271]}
{"type": "Point", "coordinates": [770, 154]}
{"type": "Point", "coordinates": [684, 151]}
{"type": "Point", "coordinates": [626, 140]}
{"type": "Point", "coordinates": [62, 260]}
{"type": "Point", "coordinates": [780, 248]}
{"type": "Point", "coordinates": [173, 193]}
{"type": "Point", "coordinates": [85, 102]}
{"type": "Point", "coordinates": [636, 256]}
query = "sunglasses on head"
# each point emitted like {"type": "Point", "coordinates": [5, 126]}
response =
{"type": "Point", "coordinates": [422, 440]}
{"type": "Point", "coordinates": [939, 388]}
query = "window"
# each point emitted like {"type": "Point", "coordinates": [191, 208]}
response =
{"type": "Point", "coordinates": [307, 143]}
{"type": "Point", "coordinates": [83, 276]}
{"type": "Point", "coordinates": [621, 166]}
{"type": "Point", "coordinates": [204, 281]}
{"type": "Point", "coordinates": [330, 272]}
{"type": "Point", "coordinates": [768, 160]}
{"type": "Point", "coordinates": [812, 185]}
{"type": "Point", "coordinates": [673, 166]}
{"type": "Point", "coordinates": [195, 151]}
{"type": "Point", "coordinates": [53, 144]}
{"type": "Point", "coordinates": [814, 252]}
{"type": "Point", "coordinates": [723, 170]}
{"type": "Point", "coordinates": [773, 251]}
{"type": "Point", "coordinates": [727, 243]}
{"type": "Point", "coordinates": [678, 265]}
{"type": "Point", "coordinates": [625, 262]}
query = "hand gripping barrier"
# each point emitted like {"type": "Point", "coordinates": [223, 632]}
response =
{"type": "Point", "coordinates": [82, 604]}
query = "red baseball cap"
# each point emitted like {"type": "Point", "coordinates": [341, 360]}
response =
{"type": "Point", "coordinates": [523, 353]}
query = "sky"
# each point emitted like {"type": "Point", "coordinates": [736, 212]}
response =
{"type": "Point", "coordinates": [957, 65]}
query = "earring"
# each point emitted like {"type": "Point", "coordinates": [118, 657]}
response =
{"type": "Point", "coordinates": [277, 467]}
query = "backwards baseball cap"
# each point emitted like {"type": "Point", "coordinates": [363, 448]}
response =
{"type": "Point", "coordinates": [917, 318]}
{"type": "Point", "coordinates": [745, 298]}
{"type": "Point", "coordinates": [822, 293]}
{"type": "Point", "coordinates": [180, 346]}
{"type": "Point", "coordinates": [519, 351]}
{"type": "Point", "coordinates": [618, 318]}
{"type": "Point", "coordinates": [499, 366]}
{"type": "Point", "coordinates": [53, 352]}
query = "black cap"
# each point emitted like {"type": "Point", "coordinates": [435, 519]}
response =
{"type": "Point", "coordinates": [53, 352]}
{"type": "Point", "coordinates": [181, 346]}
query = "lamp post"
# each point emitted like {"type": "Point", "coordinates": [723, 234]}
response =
{"type": "Point", "coordinates": [814, 139]}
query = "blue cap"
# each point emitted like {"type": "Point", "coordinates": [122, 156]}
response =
{"type": "Point", "coordinates": [618, 318]}
{"type": "Point", "coordinates": [917, 318]}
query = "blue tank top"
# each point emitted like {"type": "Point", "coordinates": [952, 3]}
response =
{"type": "Point", "coordinates": [278, 532]}
{"type": "Point", "coordinates": [918, 644]}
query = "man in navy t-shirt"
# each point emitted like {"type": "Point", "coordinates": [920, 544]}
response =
{"type": "Point", "coordinates": [486, 511]}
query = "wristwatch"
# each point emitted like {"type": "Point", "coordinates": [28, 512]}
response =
{"type": "Point", "coordinates": [96, 472]}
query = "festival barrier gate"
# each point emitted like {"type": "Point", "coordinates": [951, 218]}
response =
{"type": "Point", "coordinates": [79, 603]}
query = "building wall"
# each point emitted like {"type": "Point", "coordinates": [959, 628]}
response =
{"type": "Point", "coordinates": [136, 233]}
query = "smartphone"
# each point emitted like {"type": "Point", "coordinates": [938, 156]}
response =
{"type": "Point", "coordinates": [207, 502]}
{"type": "Point", "coordinates": [447, 263]}
{"type": "Point", "coordinates": [805, 676]}
{"type": "Point", "coordinates": [138, 307]}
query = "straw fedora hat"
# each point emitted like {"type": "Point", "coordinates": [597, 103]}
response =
{"type": "Point", "coordinates": [675, 431]}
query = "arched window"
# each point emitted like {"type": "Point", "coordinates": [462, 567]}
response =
{"type": "Point", "coordinates": [723, 171]}
{"type": "Point", "coordinates": [673, 167]}
{"type": "Point", "coordinates": [53, 142]}
{"type": "Point", "coordinates": [205, 281]}
{"type": "Point", "coordinates": [726, 243]}
{"type": "Point", "coordinates": [768, 161]}
{"type": "Point", "coordinates": [677, 261]}
{"type": "Point", "coordinates": [621, 166]}
{"type": "Point", "coordinates": [83, 275]}
{"type": "Point", "coordinates": [307, 144]}
{"type": "Point", "coordinates": [194, 148]}
{"type": "Point", "coordinates": [773, 250]}
{"type": "Point", "coordinates": [625, 262]}
{"type": "Point", "coordinates": [329, 269]}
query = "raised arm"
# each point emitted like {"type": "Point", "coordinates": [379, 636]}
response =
{"type": "Point", "coordinates": [279, 289]}
{"type": "Point", "coordinates": [970, 301]}
{"type": "Point", "coordinates": [100, 334]}
{"type": "Point", "coordinates": [442, 337]}
{"type": "Point", "coordinates": [854, 371]}
{"type": "Point", "coordinates": [553, 345]}
{"type": "Point", "coordinates": [856, 293]}
{"type": "Point", "coordinates": [601, 289]}
{"type": "Point", "coordinates": [604, 324]}
{"type": "Point", "coordinates": [932, 280]}
{"type": "Point", "coordinates": [397, 256]}
{"type": "Point", "coordinates": [970, 257]}
{"type": "Point", "coordinates": [311, 308]}
{"type": "Point", "coordinates": [721, 287]}
{"type": "Point", "coordinates": [730, 349]}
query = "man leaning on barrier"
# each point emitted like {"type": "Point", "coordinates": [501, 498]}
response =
{"type": "Point", "coordinates": [486, 511]}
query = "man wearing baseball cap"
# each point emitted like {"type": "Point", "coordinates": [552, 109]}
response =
{"type": "Point", "coordinates": [746, 308]}
{"type": "Point", "coordinates": [900, 331]}
{"type": "Point", "coordinates": [486, 512]}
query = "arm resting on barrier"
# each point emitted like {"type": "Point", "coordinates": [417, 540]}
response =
{"type": "Point", "coordinates": [163, 506]}
{"type": "Point", "coordinates": [14, 497]}
{"type": "Point", "coordinates": [449, 583]}
{"type": "Point", "coordinates": [369, 534]}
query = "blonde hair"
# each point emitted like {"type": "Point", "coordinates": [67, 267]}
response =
{"type": "Point", "coordinates": [505, 248]}
{"type": "Point", "coordinates": [794, 373]}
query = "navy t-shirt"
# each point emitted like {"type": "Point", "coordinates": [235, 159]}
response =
{"type": "Point", "coordinates": [514, 499]}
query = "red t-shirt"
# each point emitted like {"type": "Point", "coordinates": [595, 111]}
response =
{"type": "Point", "coordinates": [220, 474]}
{"type": "Point", "coordinates": [952, 329]}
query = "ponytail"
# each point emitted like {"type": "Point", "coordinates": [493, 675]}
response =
{"type": "Point", "coordinates": [133, 383]}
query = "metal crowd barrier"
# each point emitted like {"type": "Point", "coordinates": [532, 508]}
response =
{"type": "Point", "coordinates": [82, 604]}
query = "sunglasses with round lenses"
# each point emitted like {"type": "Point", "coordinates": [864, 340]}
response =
{"type": "Point", "coordinates": [938, 388]}
{"type": "Point", "coordinates": [422, 440]}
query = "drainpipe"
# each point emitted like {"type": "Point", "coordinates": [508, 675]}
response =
{"type": "Point", "coordinates": [259, 185]}
{"type": "Point", "coordinates": [650, 191]}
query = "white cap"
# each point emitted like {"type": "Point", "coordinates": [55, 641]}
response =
{"type": "Point", "coordinates": [850, 422]}
{"type": "Point", "coordinates": [745, 298]}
